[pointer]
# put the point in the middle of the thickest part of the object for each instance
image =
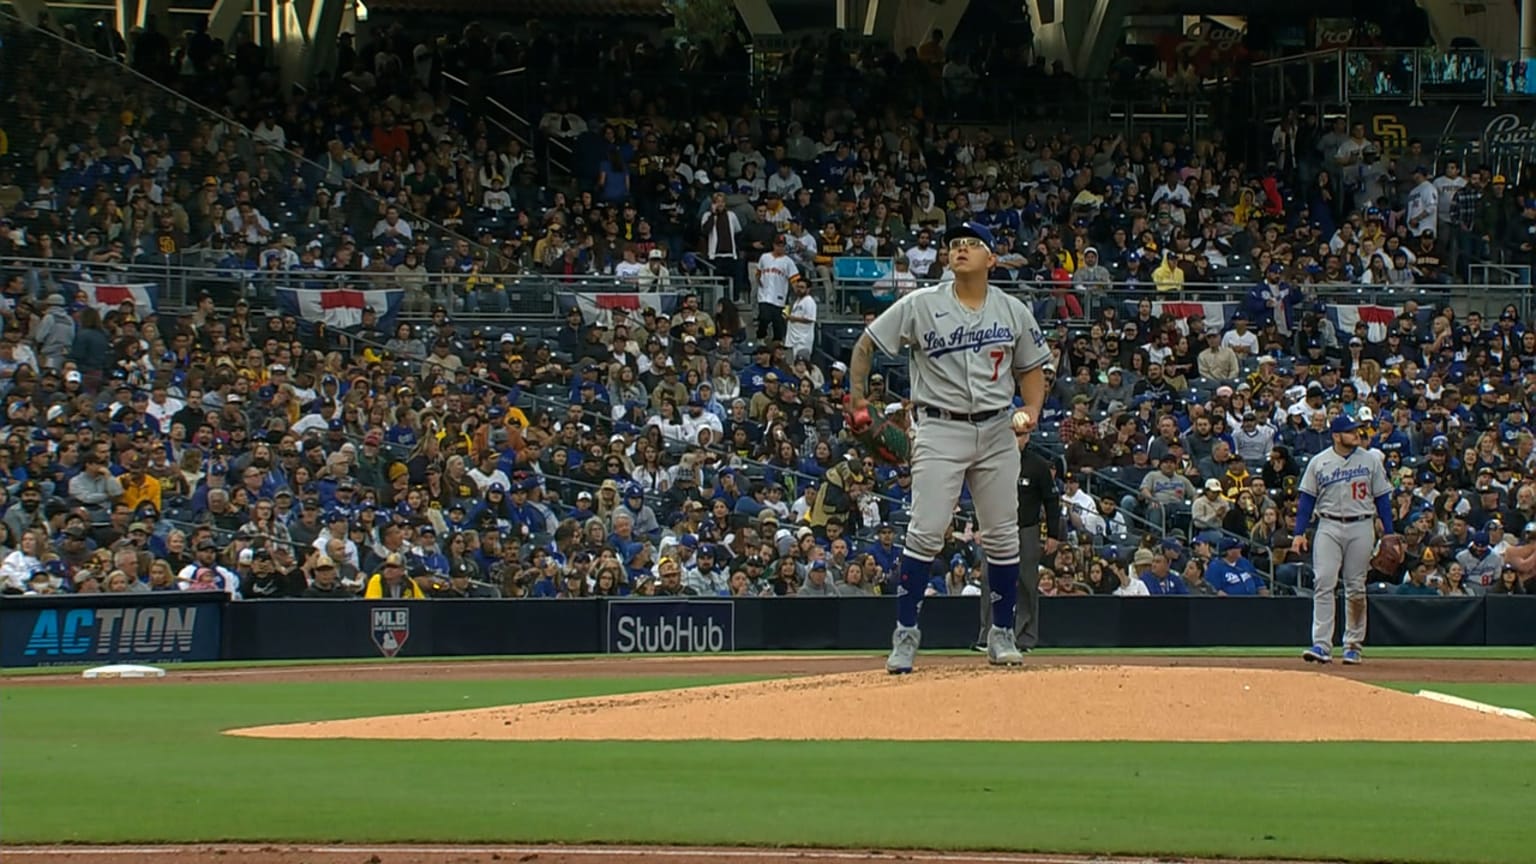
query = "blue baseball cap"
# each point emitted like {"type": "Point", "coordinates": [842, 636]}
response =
{"type": "Point", "coordinates": [972, 229]}
{"type": "Point", "coordinates": [1229, 543]}
{"type": "Point", "coordinates": [1343, 423]}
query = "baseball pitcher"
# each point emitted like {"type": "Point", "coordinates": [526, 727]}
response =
{"type": "Point", "coordinates": [1348, 488]}
{"type": "Point", "coordinates": [972, 345]}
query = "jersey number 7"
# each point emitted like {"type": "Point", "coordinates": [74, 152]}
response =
{"type": "Point", "coordinates": [997, 361]}
{"type": "Point", "coordinates": [1360, 490]}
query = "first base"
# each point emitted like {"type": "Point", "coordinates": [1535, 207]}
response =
{"type": "Point", "coordinates": [123, 670]}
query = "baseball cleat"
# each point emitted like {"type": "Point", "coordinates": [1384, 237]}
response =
{"type": "Point", "coordinates": [1000, 648]}
{"type": "Point", "coordinates": [980, 647]}
{"type": "Point", "coordinates": [1352, 657]}
{"type": "Point", "coordinates": [904, 644]}
{"type": "Point", "coordinates": [1318, 653]}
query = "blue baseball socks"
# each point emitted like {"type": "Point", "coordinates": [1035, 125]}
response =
{"type": "Point", "coordinates": [912, 584]}
{"type": "Point", "coordinates": [1003, 581]}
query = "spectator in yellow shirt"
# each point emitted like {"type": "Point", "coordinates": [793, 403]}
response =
{"type": "Point", "coordinates": [138, 486]}
{"type": "Point", "coordinates": [390, 583]}
{"type": "Point", "coordinates": [1168, 276]}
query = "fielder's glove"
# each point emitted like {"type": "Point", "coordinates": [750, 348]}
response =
{"type": "Point", "coordinates": [1388, 556]}
{"type": "Point", "coordinates": [883, 440]}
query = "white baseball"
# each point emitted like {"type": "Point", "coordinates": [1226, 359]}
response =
{"type": "Point", "coordinates": [1021, 420]}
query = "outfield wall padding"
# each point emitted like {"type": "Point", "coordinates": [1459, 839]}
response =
{"type": "Point", "coordinates": [177, 627]}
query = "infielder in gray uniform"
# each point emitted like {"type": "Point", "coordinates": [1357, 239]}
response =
{"type": "Point", "coordinates": [972, 345]}
{"type": "Point", "coordinates": [1348, 487]}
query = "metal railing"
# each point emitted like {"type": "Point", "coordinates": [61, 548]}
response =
{"type": "Point", "coordinates": [848, 297]}
{"type": "Point", "coordinates": [554, 157]}
{"type": "Point", "coordinates": [180, 279]}
{"type": "Point", "coordinates": [1393, 74]}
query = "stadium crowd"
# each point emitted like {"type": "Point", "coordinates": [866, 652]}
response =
{"type": "Point", "coordinates": [700, 452]}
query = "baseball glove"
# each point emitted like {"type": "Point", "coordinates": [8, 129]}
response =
{"type": "Point", "coordinates": [1388, 556]}
{"type": "Point", "coordinates": [887, 442]}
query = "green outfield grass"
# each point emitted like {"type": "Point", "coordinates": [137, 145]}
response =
{"type": "Point", "coordinates": [1494, 652]}
{"type": "Point", "coordinates": [147, 764]}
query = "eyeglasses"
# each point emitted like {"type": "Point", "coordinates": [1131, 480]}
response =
{"type": "Point", "coordinates": [967, 243]}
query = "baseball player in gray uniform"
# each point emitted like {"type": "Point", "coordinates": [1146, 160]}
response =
{"type": "Point", "coordinates": [1348, 488]}
{"type": "Point", "coordinates": [972, 345]}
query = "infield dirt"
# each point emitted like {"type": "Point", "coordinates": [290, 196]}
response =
{"type": "Point", "coordinates": [1062, 703]}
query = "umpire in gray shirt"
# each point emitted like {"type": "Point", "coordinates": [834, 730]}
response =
{"type": "Point", "coordinates": [1039, 502]}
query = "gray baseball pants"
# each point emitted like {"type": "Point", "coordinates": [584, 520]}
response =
{"type": "Point", "coordinates": [949, 453]}
{"type": "Point", "coordinates": [1026, 615]}
{"type": "Point", "coordinates": [1341, 548]}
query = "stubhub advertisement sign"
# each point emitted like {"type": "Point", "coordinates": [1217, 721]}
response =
{"type": "Point", "coordinates": [77, 631]}
{"type": "Point", "coordinates": [671, 626]}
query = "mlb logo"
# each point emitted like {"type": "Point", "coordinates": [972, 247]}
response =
{"type": "Point", "coordinates": [391, 627]}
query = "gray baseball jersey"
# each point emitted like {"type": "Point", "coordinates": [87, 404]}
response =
{"type": "Point", "coordinates": [963, 360]}
{"type": "Point", "coordinates": [1345, 486]}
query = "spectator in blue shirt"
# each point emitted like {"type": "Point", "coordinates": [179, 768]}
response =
{"type": "Point", "coordinates": [1233, 575]}
{"type": "Point", "coordinates": [1152, 568]}
{"type": "Point", "coordinates": [886, 552]}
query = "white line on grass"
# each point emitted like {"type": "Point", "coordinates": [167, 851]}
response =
{"type": "Point", "coordinates": [1480, 707]}
{"type": "Point", "coordinates": [9, 852]}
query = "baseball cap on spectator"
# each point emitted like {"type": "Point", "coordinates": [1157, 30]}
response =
{"type": "Point", "coordinates": [1213, 485]}
{"type": "Point", "coordinates": [1143, 558]}
{"type": "Point", "coordinates": [1227, 544]}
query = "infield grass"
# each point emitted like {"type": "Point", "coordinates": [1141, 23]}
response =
{"type": "Point", "coordinates": [1478, 652]}
{"type": "Point", "coordinates": [150, 765]}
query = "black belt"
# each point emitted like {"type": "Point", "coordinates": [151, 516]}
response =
{"type": "Point", "coordinates": [1346, 519]}
{"type": "Point", "coordinates": [940, 413]}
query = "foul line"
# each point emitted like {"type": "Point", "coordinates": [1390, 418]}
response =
{"type": "Point", "coordinates": [604, 851]}
{"type": "Point", "coordinates": [1480, 707]}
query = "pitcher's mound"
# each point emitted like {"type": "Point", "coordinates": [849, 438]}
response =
{"type": "Point", "coordinates": [1105, 703]}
